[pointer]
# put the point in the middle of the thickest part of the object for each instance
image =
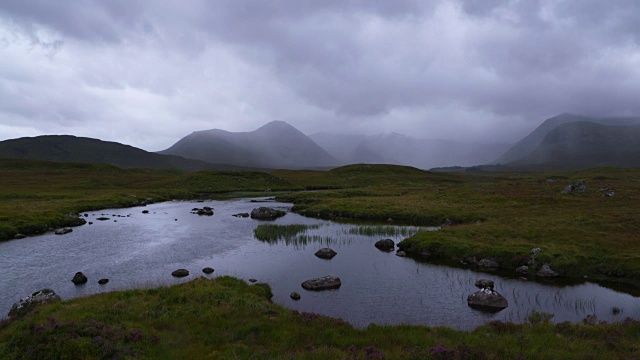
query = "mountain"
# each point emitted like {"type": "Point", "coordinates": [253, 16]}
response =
{"type": "Point", "coordinates": [585, 144]}
{"type": "Point", "coordinates": [67, 148]}
{"type": "Point", "coordinates": [535, 138]}
{"type": "Point", "coordinates": [274, 145]}
{"type": "Point", "coordinates": [394, 148]}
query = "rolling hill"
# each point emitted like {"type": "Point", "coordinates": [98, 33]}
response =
{"type": "Point", "coordinates": [274, 145]}
{"type": "Point", "coordinates": [67, 148]}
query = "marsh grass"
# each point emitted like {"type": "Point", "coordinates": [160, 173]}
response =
{"type": "Point", "coordinates": [274, 233]}
{"type": "Point", "coordinates": [387, 230]}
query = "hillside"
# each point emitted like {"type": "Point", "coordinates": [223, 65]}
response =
{"type": "Point", "coordinates": [274, 145]}
{"type": "Point", "coordinates": [67, 148]}
{"type": "Point", "coordinates": [583, 144]}
{"type": "Point", "coordinates": [529, 143]}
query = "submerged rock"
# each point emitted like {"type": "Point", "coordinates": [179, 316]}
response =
{"type": "Point", "coordinates": [266, 213]}
{"type": "Point", "coordinates": [63, 231]}
{"type": "Point", "coordinates": [322, 283]}
{"type": "Point", "coordinates": [79, 278]}
{"type": "Point", "coordinates": [488, 300]}
{"type": "Point", "coordinates": [546, 271]}
{"type": "Point", "coordinates": [180, 273]}
{"type": "Point", "coordinates": [242, 215]}
{"type": "Point", "coordinates": [385, 245]}
{"type": "Point", "coordinates": [326, 253]}
{"type": "Point", "coordinates": [40, 297]}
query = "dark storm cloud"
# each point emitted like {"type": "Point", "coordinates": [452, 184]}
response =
{"type": "Point", "coordinates": [446, 68]}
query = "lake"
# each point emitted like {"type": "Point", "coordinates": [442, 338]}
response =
{"type": "Point", "coordinates": [136, 250]}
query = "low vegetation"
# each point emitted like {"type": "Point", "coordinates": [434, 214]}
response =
{"type": "Point", "coordinates": [224, 318]}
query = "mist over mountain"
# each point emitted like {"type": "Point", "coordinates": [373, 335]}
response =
{"type": "Point", "coordinates": [67, 148]}
{"type": "Point", "coordinates": [585, 144]}
{"type": "Point", "coordinates": [274, 145]}
{"type": "Point", "coordinates": [394, 148]}
{"type": "Point", "coordinates": [531, 142]}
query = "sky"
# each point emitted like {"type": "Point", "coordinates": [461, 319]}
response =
{"type": "Point", "coordinates": [148, 72]}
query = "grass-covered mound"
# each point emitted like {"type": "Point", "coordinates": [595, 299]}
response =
{"type": "Point", "coordinates": [225, 318]}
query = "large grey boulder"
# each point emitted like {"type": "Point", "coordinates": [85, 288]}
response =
{"type": "Point", "coordinates": [488, 300]}
{"type": "Point", "coordinates": [322, 283]}
{"type": "Point", "coordinates": [385, 245]}
{"type": "Point", "coordinates": [266, 213]}
{"type": "Point", "coordinates": [40, 297]}
{"type": "Point", "coordinates": [546, 271]}
{"type": "Point", "coordinates": [326, 253]}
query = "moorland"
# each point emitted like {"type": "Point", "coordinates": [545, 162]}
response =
{"type": "Point", "coordinates": [591, 233]}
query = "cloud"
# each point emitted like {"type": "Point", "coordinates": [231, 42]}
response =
{"type": "Point", "coordinates": [147, 73]}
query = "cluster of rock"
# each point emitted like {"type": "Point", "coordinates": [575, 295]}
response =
{"type": "Point", "coordinates": [79, 278]}
{"type": "Point", "coordinates": [487, 299]}
{"type": "Point", "coordinates": [578, 186]}
{"type": "Point", "coordinates": [492, 264]}
{"type": "Point", "coordinates": [241, 215]}
{"type": "Point", "coordinates": [40, 297]}
{"type": "Point", "coordinates": [266, 213]}
{"type": "Point", "coordinates": [204, 211]}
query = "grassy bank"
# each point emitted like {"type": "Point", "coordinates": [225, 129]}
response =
{"type": "Point", "coordinates": [497, 215]}
{"type": "Point", "coordinates": [38, 195]}
{"type": "Point", "coordinates": [225, 318]}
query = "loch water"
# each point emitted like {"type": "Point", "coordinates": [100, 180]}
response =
{"type": "Point", "coordinates": [136, 250]}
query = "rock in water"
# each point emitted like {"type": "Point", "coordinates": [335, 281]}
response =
{"type": "Point", "coordinates": [103, 281]}
{"type": "Point", "coordinates": [385, 245]}
{"type": "Point", "coordinates": [63, 231]}
{"type": "Point", "coordinates": [40, 297]}
{"type": "Point", "coordinates": [484, 284]}
{"type": "Point", "coordinates": [79, 278]}
{"type": "Point", "coordinates": [401, 253]}
{"type": "Point", "coordinates": [207, 270]}
{"type": "Point", "coordinates": [325, 253]}
{"type": "Point", "coordinates": [323, 283]}
{"type": "Point", "coordinates": [295, 296]}
{"type": "Point", "coordinates": [545, 271]}
{"type": "Point", "coordinates": [487, 299]}
{"type": "Point", "coordinates": [180, 273]}
{"type": "Point", "coordinates": [266, 213]}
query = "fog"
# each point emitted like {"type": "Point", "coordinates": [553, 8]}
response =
{"type": "Point", "coordinates": [147, 73]}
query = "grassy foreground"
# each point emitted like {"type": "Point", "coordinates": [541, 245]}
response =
{"type": "Point", "coordinates": [224, 318]}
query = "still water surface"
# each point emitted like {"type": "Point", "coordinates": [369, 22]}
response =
{"type": "Point", "coordinates": [141, 250]}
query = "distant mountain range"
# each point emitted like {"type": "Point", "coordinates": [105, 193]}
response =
{"type": "Point", "coordinates": [570, 141]}
{"type": "Point", "coordinates": [565, 141]}
{"type": "Point", "coordinates": [394, 148]}
{"type": "Point", "coordinates": [274, 145]}
{"type": "Point", "coordinates": [67, 148]}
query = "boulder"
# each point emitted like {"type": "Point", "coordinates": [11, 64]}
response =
{"type": "Point", "coordinates": [295, 296]}
{"type": "Point", "coordinates": [385, 245]}
{"type": "Point", "coordinates": [40, 297]}
{"type": "Point", "coordinates": [536, 251]}
{"type": "Point", "coordinates": [19, 236]}
{"type": "Point", "coordinates": [266, 213]}
{"type": "Point", "coordinates": [488, 300]}
{"type": "Point", "coordinates": [401, 253]}
{"type": "Point", "coordinates": [546, 271]}
{"type": "Point", "coordinates": [325, 253]}
{"type": "Point", "coordinates": [180, 273]}
{"type": "Point", "coordinates": [103, 281]}
{"type": "Point", "coordinates": [79, 278]}
{"type": "Point", "coordinates": [484, 284]}
{"type": "Point", "coordinates": [145, 211]}
{"type": "Point", "coordinates": [577, 186]}
{"type": "Point", "coordinates": [488, 264]}
{"type": "Point", "coordinates": [322, 283]}
{"type": "Point", "coordinates": [207, 270]}
{"type": "Point", "coordinates": [522, 270]}
{"type": "Point", "coordinates": [63, 231]}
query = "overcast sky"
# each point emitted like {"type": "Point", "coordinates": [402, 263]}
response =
{"type": "Point", "coordinates": [147, 73]}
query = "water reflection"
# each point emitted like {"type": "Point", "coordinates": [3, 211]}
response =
{"type": "Point", "coordinates": [141, 250]}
